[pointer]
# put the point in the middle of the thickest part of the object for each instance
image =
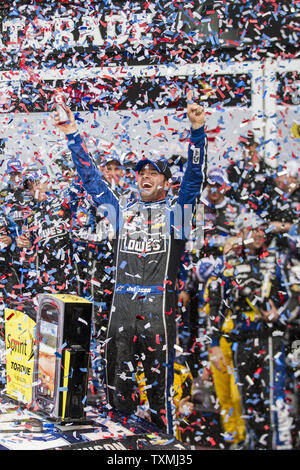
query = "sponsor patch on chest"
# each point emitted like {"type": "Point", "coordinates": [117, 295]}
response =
{"type": "Point", "coordinates": [142, 245]}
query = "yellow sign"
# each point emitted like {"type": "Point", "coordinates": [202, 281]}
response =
{"type": "Point", "coordinates": [69, 298]}
{"type": "Point", "coordinates": [19, 345]}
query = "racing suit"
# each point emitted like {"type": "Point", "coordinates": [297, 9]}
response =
{"type": "Point", "coordinates": [258, 345]}
{"type": "Point", "coordinates": [219, 220]}
{"type": "Point", "coordinates": [218, 225]}
{"type": "Point", "coordinates": [148, 246]}
{"type": "Point", "coordinates": [219, 324]}
{"type": "Point", "coordinates": [15, 202]}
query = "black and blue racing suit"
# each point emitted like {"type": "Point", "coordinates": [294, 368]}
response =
{"type": "Point", "coordinates": [149, 242]}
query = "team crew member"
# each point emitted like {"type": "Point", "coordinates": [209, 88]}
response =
{"type": "Point", "coordinates": [249, 176]}
{"type": "Point", "coordinates": [219, 322]}
{"type": "Point", "coordinates": [91, 251]}
{"type": "Point", "coordinates": [17, 205]}
{"type": "Point", "coordinates": [48, 239]}
{"type": "Point", "coordinates": [183, 391]}
{"type": "Point", "coordinates": [256, 294]}
{"type": "Point", "coordinates": [292, 270]}
{"type": "Point", "coordinates": [8, 275]}
{"type": "Point", "coordinates": [112, 172]}
{"type": "Point", "coordinates": [8, 280]}
{"type": "Point", "coordinates": [219, 215]}
{"type": "Point", "coordinates": [13, 197]}
{"type": "Point", "coordinates": [15, 179]}
{"type": "Point", "coordinates": [149, 244]}
{"type": "Point", "coordinates": [282, 207]}
{"type": "Point", "coordinates": [14, 203]}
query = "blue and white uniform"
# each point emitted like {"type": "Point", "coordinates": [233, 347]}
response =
{"type": "Point", "coordinates": [149, 242]}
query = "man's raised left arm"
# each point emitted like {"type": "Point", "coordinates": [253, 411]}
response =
{"type": "Point", "coordinates": [193, 179]}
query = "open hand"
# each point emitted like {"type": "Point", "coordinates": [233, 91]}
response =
{"type": "Point", "coordinates": [185, 406]}
{"type": "Point", "coordinates": [5, 240]}
{"type": "Point", "coordinates": [23, 242]}
{"type": "Point", "coordinates": [272, 314]}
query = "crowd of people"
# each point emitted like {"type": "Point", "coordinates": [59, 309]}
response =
{"type": "Point", "coordinates": [215, 296]}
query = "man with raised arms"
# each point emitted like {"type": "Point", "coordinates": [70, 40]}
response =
{"type": "Point", "coordinates": [149, 242]}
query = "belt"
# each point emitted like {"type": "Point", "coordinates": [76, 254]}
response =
{"type": "Point", "coordinates": [139, 289]}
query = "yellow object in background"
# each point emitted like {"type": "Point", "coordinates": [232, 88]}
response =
{"type": "Point", "coordinates": [295, 130]}
{"type": "Point", "coordinates": [182, 385]}
{"type": "Point", "coordinates": [69, 298]}
{"type": "Point", "coordinates": [229, 397]}
{"type": "Point", "coordinates": [19, 345]}
{"type": "Point", "coordinates": [225, 384]}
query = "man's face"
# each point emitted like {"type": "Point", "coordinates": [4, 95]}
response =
{"type": "Point", "coordinates": [112, 172]}
{"type": "Point", "coordinates": [153, 185]}
{"type": "Point", "coordinates": [130, 174]}
{"type": "Point", "coordinates": [287, 183]}
{"type": "Point", "coordinates": [251, 153]}
{"type": "Point", "coordinates": [15, 177]}
{"type": "Point", "coordinates": [38, 190]}
{"type": "Point", "coordinates": [257, 236]}
{"type": "Point", "coordinates": [214, 194]}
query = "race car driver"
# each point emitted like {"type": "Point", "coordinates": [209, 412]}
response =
{"type": "Point", "coordinates": [150, 239]}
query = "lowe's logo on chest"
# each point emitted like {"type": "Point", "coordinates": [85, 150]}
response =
{"type": "Point", "coordinates": [145, 232]}
{"type": "Point", "coordinates": [145, 244]}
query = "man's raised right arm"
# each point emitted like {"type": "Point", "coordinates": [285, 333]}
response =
{"type": "Point", "coordinates": [90, 175]}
